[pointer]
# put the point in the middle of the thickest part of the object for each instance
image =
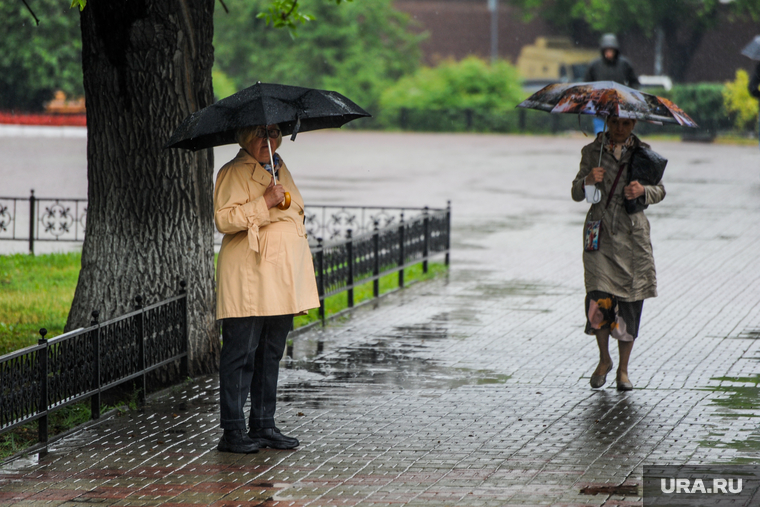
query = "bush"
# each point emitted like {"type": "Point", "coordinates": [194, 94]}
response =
{"type": "Point", "coordinates": [704, 103]}
{"type": "Point", "coordinates": [739, 103]}
{"type": "Point", "coordinates": [455, 96]}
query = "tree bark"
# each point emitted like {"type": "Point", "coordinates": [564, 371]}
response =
{"type": "Point", "coordinates": [147, 65]}
{"type": "Point", "coordinates": [682, 43]}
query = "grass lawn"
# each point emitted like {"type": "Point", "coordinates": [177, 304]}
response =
{"type": "Point", "coordinates": [35, 292]}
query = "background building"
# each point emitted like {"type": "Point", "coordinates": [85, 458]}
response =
{"type": "Point", "coordinates": [458, 28]}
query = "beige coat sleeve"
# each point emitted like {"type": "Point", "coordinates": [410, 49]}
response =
{"type": "Point", "coordinates": [234, 208]}
{"type": "Point", "coordinates": [654, 193]}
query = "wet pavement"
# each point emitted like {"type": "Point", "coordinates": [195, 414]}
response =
{"type": "Point", "coordinates": [472, 389]}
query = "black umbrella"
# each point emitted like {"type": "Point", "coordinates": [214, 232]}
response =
{"type": "Point", "coordinates": [293, 108]}
{"type": "Point", "coordinates": [752, 49]}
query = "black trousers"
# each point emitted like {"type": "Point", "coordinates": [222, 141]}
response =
{"type": "Point", "coordinates": [250, 362]}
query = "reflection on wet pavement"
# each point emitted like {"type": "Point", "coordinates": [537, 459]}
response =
{"type": "Point", "coordinates": [402, 359]}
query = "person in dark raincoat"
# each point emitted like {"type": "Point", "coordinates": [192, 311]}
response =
{"type": "Point", "coordinates": [611, 66]}
{"type": "Point", "coordinates": [754, 84]}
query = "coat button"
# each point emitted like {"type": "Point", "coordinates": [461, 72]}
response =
{"type": "Point", "coordinates": [300, 212]}
{"type": "Point", "coordinates": [306, 236]}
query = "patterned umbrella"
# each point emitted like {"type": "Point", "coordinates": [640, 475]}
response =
{"type": "Point", "coordinates": [607, 98]}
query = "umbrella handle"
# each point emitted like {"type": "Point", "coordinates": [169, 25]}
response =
{"type": "Point", "coordinates": [286, 203]}
{"type": "Point", "coordinates": [602, 150]}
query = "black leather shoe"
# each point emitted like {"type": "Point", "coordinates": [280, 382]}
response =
{"type": "Point", "coordinates": [237, 441]}
{"type": "Point", "coordinates": [271, 437]}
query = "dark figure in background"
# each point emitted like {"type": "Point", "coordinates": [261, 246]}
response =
{"type": "Point", "coordinates": [612, 66]}
{"type": "Point", "coordinates": [754, 84]}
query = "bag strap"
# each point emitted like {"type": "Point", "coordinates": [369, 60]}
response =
{"type": "Point", "coordinates": [614, 185]}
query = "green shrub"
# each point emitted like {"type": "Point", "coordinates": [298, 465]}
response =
{"type": "Point", "coordinates": [703, 102]}
{"type": "Point", "coordinates": [454, 96]}
{"type": "Point", "coordinates": [739, 103]}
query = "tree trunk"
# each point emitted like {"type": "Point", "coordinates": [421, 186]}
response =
{"type": "Point", "coordinates": [147, 65]}
{"type": "Point", "coordinates": [682, 43]}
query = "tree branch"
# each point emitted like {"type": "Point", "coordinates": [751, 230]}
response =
{"type": "Point", "coordinates": [287, 15]}
{"type": "Point", "coordinates": [31, 12]}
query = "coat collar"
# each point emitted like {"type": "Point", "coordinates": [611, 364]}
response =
{"type": "Point", "coordinates": [261, 175]}
{"type": "Point", "coordinates": [258, 173]}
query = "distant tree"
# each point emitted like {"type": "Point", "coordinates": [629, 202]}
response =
{"type": "Point", "coordinates": [682, 23]}
{"type": "Point", "coordinates": [358, 50]}
{"type": "Point", "coordinates": [37, 60]}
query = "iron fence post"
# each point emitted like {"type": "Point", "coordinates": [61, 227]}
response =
{"type": "Point", "coordinates": [401, 253]}
{"type": "Point", "coordinates": [321, 279]}
{"type": "Point", "coordinates": [350, 255]}
{"type": "Point", "coordinates": [32, 201]}
{"type": "Point", "coordinates": [426, 241]}
{"type": "Point", "coordinates": [42, 405]}
{"type": "Point", "coordinates": [184, 364]}
{"type": "Point", "coordinates": [141, 383]}
{"type": "Point", "coordinates": [376, 267]}
{"type": "Point", "coordinates": [448, 231]}
{"type": "Point", "coordinates": [95, 399]}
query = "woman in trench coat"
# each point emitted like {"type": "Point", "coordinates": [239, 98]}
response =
{"type": "Point", "coordinates": [265, 275]}
{"type": "Point", "coordinates": [621, 273]}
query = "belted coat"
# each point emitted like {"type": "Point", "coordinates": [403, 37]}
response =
{"type": "Point", "coordinates": [624, 264]}
{"type": "Point", "coordinates": [265, 266]}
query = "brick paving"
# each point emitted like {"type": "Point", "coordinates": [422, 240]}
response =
{"type": "Point", "coordinates": [471, 389]}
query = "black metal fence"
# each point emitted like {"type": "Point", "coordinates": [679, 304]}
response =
{"type": "Point", "coordinates": [79, 365]}
{"type": "Point", "coordinates": [341, 266]}
{"type": "Point", "coordinates": [33, 219]}
{"type": "Point", "coordinates": [49, 219]}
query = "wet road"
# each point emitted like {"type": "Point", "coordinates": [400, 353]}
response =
{"type": "Point", "coordinates": [471, 389]}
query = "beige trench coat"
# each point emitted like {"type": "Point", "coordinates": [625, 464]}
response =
{"type": "Point", "coordinates": [624, 264]}
{"type": "Point", "coordinates": [265, 265]}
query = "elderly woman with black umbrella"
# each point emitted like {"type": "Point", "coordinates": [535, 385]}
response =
{"type": "Point", "coordinates": [265, 275]}
{"type": "Point", "coordinates": [618, 259]}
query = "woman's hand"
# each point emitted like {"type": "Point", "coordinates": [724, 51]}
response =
{"type": "Point", "coordinates": [595, 176]}
{"type": "Point", "coordinates": [633, 190]}
{"type": "Point", "coordinates": [274, 195]}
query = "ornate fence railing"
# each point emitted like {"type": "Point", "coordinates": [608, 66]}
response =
{"type": "Point", "coordinates": [34, 219]}
{"type": "Point", "coordinates": [342, 265]}
{"type": "Point", "coordinates": [81, 364]}
{"type": "Point", "coordinates": [49, 219]}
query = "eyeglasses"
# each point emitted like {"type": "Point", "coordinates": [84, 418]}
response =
{"type": "Point", "coordinates": [262, 133]}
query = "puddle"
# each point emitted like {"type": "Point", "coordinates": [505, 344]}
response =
{"type": "Point", "coordinates": [401, 359]}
